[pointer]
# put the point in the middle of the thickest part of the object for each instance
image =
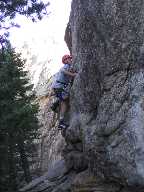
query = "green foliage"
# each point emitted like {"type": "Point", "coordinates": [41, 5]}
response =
{"type": "Point", "coordinates": [9, 9]}
{"type": "Point", "coordinates": [18, 118]}
{"type": "Point", "coordinates": [18, 109]}
{"type": "Point", "coordinates": [32, 8]}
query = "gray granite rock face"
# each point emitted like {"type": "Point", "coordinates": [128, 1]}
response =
{"type": "Point", "coordinates": [108, 93]}
{"type": "Point", "coordinates": [51, 141]}
{"type": "Point", "coordinates": [103, 148]}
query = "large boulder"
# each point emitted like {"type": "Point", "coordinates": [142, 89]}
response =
{"type": "Point", "coordinates": [108, 93]}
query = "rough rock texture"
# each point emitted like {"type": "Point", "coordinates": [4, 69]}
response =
{"type": "Point", "coordinates": [51, 142]}
{"type": "Point", "coordinates": [104, 144]}
{"type": "Point", "coordinates": [108, 93]}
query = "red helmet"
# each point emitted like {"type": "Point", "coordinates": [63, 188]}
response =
{"type": "Point", "coordinates": [66, 57]}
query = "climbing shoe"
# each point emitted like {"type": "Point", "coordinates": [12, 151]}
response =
{"type": "Point", "coordinates": [62, 125]}
{"type": "Point", "coordinates": [54, 106]}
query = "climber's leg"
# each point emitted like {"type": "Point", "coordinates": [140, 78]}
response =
{"type": "Point", "coordinates": [55, 106]}
{"type": "Point", "coordinates": [64, 103]}
{"type": "Point", "coordinates": [63, 110]}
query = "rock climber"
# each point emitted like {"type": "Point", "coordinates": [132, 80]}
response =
{"type": "Point", "coordinates": [61, 88]}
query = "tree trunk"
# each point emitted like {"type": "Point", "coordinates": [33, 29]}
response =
{"type": "Point", "coordinates": [12, 183]}
{"type": "Point", "coordinates": [24, 161]}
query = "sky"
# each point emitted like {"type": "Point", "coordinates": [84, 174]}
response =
{"type": "Point", "coordinates": [46, 37]}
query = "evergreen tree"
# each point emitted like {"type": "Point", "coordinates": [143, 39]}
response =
{"type": "Point", "coordinates": [9, 9]}
{"type": "Point", "coordinates": [18, 120]}
{"type": "Point", "coordinates": [30, 8]}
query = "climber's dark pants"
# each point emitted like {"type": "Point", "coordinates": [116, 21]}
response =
{"type": "Point", "coordinates": [61, 93]}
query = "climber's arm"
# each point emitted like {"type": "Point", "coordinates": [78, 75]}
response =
{"type": "Point", "coordinates": [70, 73]}
{"type": "Point", "coordinates": [52, 92]}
